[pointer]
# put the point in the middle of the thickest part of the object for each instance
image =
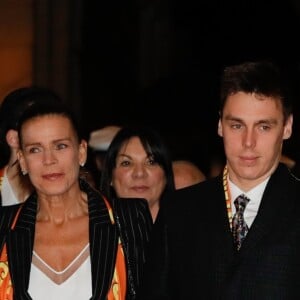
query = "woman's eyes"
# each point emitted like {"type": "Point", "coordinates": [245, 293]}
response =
{"type": "Point", "coordinates": [125, 163]}
{"type": "Point", "coordinates": [60, 146]}
{"type": "Point", "coordinates": [34, 150]}
{"type": "Point", "coordinates": [148, 162]}
{"type": "Point", "coordinates": [151, 161]}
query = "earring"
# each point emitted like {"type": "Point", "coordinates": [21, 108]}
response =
{"type": "Point", "coordinates": [82, 164]}
{"type": "Point", "coordinates": [24, 172]}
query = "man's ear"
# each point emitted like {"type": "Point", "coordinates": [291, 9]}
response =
{"type": "Point", "coordinates": [288, 128]}
{"type": "Point", "coordinates": [12, 138]}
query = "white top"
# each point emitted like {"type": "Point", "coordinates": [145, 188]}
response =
{"type": "Point", "coordinates": [7, 194]}
{"type": "Point", "coordinates": [76, 287]}
{"type": "Point", "coordinates": [255, 196]}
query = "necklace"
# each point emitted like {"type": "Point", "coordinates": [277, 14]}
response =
{"type": "Point", "coordinates": [227, 195]}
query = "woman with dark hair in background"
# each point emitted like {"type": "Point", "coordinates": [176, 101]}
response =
{"type": "Point", "coordinates": [138, 164]}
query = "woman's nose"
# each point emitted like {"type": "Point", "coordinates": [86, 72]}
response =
{"type": "Point", "coordinates": [49, 157]}
{"type": "Point", "coordinates": [139, 171]}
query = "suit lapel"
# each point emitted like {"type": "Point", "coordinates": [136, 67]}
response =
{"type": "Point", "coordinates": [103, 246]}
{"type": "Point", "coordinates": [275, 208]}
{"type": "Point", "coordinates": [222, 230]}
{"type": "Point", "coordinates": [20, 245]}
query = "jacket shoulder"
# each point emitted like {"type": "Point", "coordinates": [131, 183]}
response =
{"type": "Point", "coordinates": [7, 215]}
{"type": "Point", "coordinates": [135, 207]}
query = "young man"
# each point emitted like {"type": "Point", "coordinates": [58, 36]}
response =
{"type": "Point", "coordinates": [204, 246]}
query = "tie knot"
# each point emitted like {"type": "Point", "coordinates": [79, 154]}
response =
{"type": "Point", "coordinates": [240, 202]}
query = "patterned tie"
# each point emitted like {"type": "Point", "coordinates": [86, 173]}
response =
{"type": "Point", "coordinates": [239, 226]}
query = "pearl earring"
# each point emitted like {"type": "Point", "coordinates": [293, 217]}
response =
{"type": "Point", "coordinates": [24, 172]}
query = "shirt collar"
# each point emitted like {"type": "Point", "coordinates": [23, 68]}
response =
{"type": "Point", "coordinates": [255, 194]}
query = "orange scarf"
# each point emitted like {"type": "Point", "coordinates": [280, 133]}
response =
{"type": "Point", "coordinates": [6, 290]}
{"type": "Point", "coordinates": [118, 286]}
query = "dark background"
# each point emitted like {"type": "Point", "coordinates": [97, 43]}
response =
{"type": "Point", "coordinates": [159, 62]}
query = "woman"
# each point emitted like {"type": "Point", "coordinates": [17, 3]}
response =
{"type": "Point", "coordinates": [74, 243]}
{"type": "Point", "coordinates": [14, 187]}
{"type": "Point", "coordinates": [138, 164]}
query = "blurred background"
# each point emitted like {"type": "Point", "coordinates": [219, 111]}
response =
{"type": "Point", "coordinates": [147, 62]}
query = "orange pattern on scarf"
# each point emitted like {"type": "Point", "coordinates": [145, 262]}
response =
{"type": "Point", "coordinates": [117, 290]}
{"type": "Point", "coordinates": [6, 292]}
{"type": "Point", "coordinates": [6, 289]}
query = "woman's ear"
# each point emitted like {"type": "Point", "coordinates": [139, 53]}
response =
{"type": "Point", "coordinates": [82, 152]}
{"type": "Point", "coordinates": [22, 162]}
{"type": "Point", "coordinates": [12, 138]}
{"type": "Point", "coordinates": [220, 129]}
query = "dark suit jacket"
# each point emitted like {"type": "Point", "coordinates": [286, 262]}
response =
{"type": "Point", "coordinates": [192, 254]}
{"type": "Point", "coordinates": [133, 224]}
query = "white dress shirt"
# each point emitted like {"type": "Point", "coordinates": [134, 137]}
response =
{"type": "Point", "coordinates": [255, 196]}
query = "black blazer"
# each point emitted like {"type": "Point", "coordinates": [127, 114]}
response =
{"type": "Point", "coordinates": [193, 256]}
{"type": "Point", "coordinates": [133, 224]}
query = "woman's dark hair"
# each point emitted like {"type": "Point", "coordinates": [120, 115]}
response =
{"type": "Point", "coordinates": [49, 108]}
{"type": "Point", "coordinates": [13, 106]}
{"type": "Point", "coordinates": [153, 144]}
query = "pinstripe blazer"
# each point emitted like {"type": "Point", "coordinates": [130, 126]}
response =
{"type": "Point", "coordinates": [133, 225]}
{"type": "Point", "coordinates": [193, 254]}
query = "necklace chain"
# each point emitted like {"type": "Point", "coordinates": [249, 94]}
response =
{"type": "Point", "coordinates": [227, 195]}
